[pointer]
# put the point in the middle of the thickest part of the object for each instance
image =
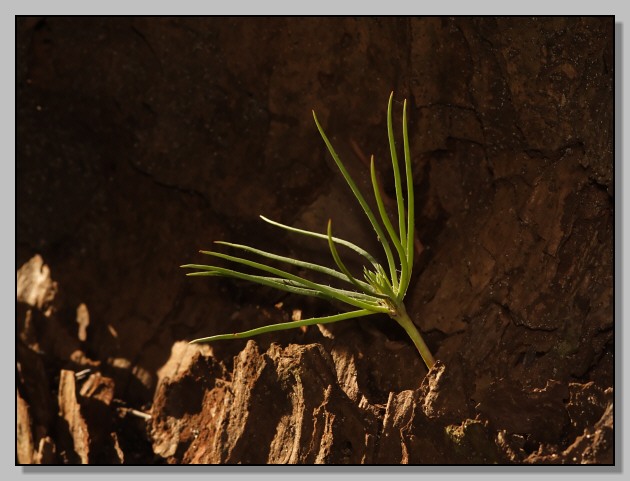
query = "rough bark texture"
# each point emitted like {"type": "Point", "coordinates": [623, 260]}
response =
{"type": "Point", "coordinates": [140, 141]}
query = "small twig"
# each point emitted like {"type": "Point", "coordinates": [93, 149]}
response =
{"type": "Point", "coordinates": [81, 374]}
{"type": "Point", "coordinates": [135, 412]}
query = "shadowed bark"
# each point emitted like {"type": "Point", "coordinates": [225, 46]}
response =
{"type": "Point", "coordinates": [142, 140]}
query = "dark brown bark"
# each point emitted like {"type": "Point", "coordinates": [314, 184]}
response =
{"type": "Point", "coordinates": [142, 140]}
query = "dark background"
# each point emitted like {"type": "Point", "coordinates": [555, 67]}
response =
{"type": "Point", "coordinates": [142, 140]}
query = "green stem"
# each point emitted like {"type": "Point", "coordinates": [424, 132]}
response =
{"type": "Point", "coordinates": [407, 324]}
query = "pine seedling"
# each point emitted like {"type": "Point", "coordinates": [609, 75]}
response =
{"type": "Point", "coordinates": [381, 291]}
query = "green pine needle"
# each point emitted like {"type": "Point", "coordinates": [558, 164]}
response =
{"type": "Point", "coordinates": [381, 291]}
